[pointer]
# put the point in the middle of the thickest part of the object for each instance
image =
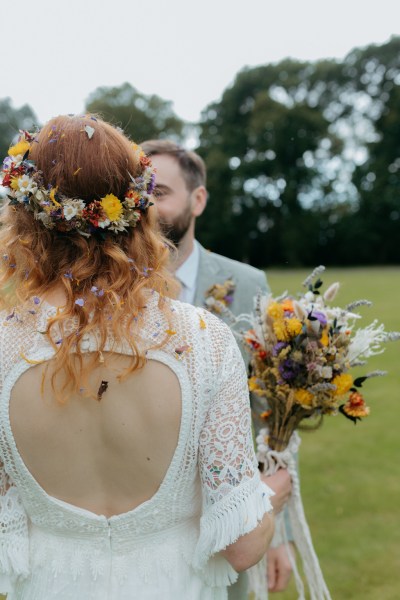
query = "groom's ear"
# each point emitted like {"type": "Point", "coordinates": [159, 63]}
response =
{"type": "Point", "coordinates": [199, 200]}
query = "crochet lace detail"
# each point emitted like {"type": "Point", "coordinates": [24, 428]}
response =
{"type": "Point", "coordinates": [210, 495]}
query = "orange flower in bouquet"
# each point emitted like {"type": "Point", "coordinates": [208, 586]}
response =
{"type": "Point", "coordinates": [302, 351]}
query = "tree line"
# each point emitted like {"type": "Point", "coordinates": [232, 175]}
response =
{"type": "Point", "coordinates": [303, 158]}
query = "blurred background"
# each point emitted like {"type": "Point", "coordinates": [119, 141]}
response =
{"type": "Point", "coordinates": [296, 110]}
{"type": "Point", "coordinates": [302, 143]}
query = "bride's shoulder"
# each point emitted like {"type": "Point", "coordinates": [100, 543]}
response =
{"type": "Point", "coordinates": [20, 334]}
{"type": "Point", "coordinates": [192, 321]}
{"type": "Point", "coordinates": [200, 320]}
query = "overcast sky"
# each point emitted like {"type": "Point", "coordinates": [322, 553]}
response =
{"type": "Point", "coordinates": [56, 52]}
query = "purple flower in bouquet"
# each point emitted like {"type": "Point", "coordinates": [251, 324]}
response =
{"type": "Point", "coordinates": [289, 369]}
{"type": "Point", "coordinates": [320, 316]}
{"type": "Point", "coordinates": [278, 347]}
{"type": "Point", "coordinates": [301, 352]}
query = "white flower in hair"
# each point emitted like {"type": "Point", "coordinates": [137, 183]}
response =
{"type": "Point", "coordinates": [45, 219]}
{"type": "Point", "coordinates": [135, 216]}
{"type": "Point", "coordinates": [26, 185]}
{"type": "Point", "coordinates": [39, 196]}
{"type": "Point", "coordinates": [118, 225]}
{"type": "Point", "coordinates": [79, 205]}
{"type": "Point", "coordinates": [105, 223]}
{"type": "Point", "coordinates": [73, 208]}
{"type": "Point", "coordinates": [70, 211]}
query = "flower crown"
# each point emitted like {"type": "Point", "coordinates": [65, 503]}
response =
{"type": "Point", "coordinates": [26, 186]}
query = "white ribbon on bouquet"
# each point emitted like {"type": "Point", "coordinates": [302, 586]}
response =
{"type": "Point", "coordinates": [286, 459]}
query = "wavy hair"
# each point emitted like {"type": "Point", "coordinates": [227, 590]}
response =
{"type": "Point", "coordinates": [110, 276]}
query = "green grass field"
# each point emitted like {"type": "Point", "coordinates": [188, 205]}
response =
{"type": "Point", "coordinates": [350, 474]}
{"type": "Point", "coordinates": [350, 477]}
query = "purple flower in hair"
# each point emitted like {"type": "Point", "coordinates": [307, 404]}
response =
{"type": "Point", "coordinates": [152, 183]}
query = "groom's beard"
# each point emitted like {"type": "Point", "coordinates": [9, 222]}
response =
{"type": "Point", "coordinates": [176, 230]}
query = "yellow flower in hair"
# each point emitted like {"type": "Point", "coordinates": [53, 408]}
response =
{"type": "Point", "coordinates": [304, 398]}
{"type": "Point", "coordinates": [19, 148]}
{"type": "Point", "coordinates": [343, 383]}
{"type": "Point", "coordinates": [14, 185]}
{"type": "Point", "coordinates": [112, 207]}
{"type": "Point", "coordinates": [52, 197]}
{"type": "Point", "coordinates": [275, 310]}
{"type": "Point", "coordinates": [293, 326]}
{"type": "Point", "coordinates": [280, 331]}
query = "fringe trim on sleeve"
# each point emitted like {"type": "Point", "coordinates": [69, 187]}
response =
{"type": "Point", "coordinates": [6, 585]}
{"type": "Point", "coordinates": [226, 521]}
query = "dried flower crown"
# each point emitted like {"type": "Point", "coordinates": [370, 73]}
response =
{"type": "Point", "coordinates": [26, 186]}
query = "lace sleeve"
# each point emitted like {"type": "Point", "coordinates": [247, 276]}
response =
{"type": "Point", "coordinates": [234, 498]}
{"type": "Point", "coordinates": [14, 541]}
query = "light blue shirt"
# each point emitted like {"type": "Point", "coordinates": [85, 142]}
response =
{"type": "Point", "coordinates": [187, 275]}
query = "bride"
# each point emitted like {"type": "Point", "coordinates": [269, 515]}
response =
{"type": "Point", "coordinates": [127, 464]}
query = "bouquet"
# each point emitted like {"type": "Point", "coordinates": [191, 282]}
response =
{"type": "Point", "coordinates": [302, 351]}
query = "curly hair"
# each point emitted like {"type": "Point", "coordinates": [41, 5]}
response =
{"type": "Point", "coordinates": [123, 267]}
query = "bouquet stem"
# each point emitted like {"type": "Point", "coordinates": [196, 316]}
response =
{"type": "Point", "coordinates": [272, 461]}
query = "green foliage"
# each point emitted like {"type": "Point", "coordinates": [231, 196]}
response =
{"type": "Point", "coordinates": [141, 117]}
{"type": "Point", "coordinates": [11, 121]}
{"type": "Point", "coordinates": [303, 157]}
{"type": "Point", "coordinates": [289, 149]}
{"type": "Point", "coordinates": [379, 183]}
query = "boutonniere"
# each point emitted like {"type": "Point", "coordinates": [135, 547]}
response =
{"type": "Point", "coordinates": [219, 296]}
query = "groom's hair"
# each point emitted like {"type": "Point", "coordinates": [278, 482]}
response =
{"type": "Point", "coordinates": [191, 164]}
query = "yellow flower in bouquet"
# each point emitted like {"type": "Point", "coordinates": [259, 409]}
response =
{"type": "Point", "coordinates": [275, 310]}
{"type": "Point", "coordinates": [280, 330]}
{"type": "Point", "coordinates": [324, 337]}
{"type": "Point", "coordinates": [253, 385]}
{"type": "Point", "coordinates": [294, 326]}
{"type": "Point", "coordinates": [301, 351]}
{"type": "Point", "coordinates": [304, 398]}
{"type": "Point", "coordinates": [343, 383]}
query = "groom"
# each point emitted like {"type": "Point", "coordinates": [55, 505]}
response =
{"type": "Point", "coordinates": [181, 197]}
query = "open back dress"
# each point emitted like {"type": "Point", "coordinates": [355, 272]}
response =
{"type": "Point", "coordinates": [167, 547]}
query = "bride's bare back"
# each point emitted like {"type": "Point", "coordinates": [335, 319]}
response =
{"type": "Point", "coordinates": [105, 456]}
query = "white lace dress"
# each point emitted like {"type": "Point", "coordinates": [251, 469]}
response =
{"type": "Point", "coordinates": [166, 547]}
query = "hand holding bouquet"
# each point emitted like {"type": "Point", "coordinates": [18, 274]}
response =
{"type": "Point", "coordinates": [302, 351]}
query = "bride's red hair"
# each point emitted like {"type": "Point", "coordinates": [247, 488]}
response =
{"type": "Point", "coordinates": [126, 266]}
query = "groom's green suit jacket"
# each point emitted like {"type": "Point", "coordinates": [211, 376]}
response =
{"type": "Point", "coordinates": [214, 268]}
